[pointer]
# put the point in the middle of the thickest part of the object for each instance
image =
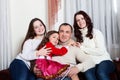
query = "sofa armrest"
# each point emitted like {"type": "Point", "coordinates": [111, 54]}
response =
{"type": "Point", "coordinates": [5, 75]}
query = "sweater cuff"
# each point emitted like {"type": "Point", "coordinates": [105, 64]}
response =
{"type": "Point", "coordinates": [35, 54]}
{"type": "Point", "coordinates": [80, 67]}
{"type": "Point", "coordinates": [82, 47]}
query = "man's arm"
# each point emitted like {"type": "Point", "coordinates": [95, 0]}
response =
{"type": "Point", "coordinates": [85, 60]}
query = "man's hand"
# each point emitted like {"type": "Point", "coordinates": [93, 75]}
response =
{"type": "Point", "coordinates": [36, 71]}
{"type": "Point", "coordinates": [73, 71]}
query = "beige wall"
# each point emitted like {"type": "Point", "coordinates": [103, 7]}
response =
{"type": "Point", "coordinates": [21, 12]}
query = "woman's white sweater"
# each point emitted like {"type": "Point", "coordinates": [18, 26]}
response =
{"type": "Point", "coordinates": [94, 47]}
{"type": "Point", "coordinates": [29, 51]}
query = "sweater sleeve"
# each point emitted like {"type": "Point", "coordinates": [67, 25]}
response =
{"type": "Point", "coordinates": [28, 53]}
{"type": "Point", "coordinates": [99, 48]}
{"type": "Point", "coordinates": [85, 60]}
{"type": "Point", "coordinates": [56, 51]}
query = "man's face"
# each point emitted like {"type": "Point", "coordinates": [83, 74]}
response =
{"type": "Point", "coordinates": [65, 33]}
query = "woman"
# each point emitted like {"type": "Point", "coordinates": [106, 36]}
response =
{"type": "Point", "coordinates": [91, 41]}
{"type": "Point", "coordinates": [19, 68]}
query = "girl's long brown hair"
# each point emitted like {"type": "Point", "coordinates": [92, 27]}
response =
{"type": "Point", "coordinates": [31, 33]}
{"type": "Point", "coordinates": [46, 38]}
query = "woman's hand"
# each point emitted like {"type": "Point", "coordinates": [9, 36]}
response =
{"type": "Point", "coordinates": [73, 43]}
{"type": "Point", "coordinates": [43, 51]}
{"type": "Point", "coordinates": [77, 44]}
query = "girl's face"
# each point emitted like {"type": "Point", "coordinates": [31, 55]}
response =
{"type": "Point", "coordinates": [54, 38]}
{"type": "Point", "coordinates": [38, 28]}
{"type": "Point", "coordinates": [81, 21]}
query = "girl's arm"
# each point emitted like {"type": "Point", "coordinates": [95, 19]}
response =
{"type": "Point", "coordinates": [56, 51]}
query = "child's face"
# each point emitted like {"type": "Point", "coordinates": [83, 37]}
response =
{"type": "Point", "coordinates": [54, 38]}
{"type": "Point", "coordinates": [38, 28]}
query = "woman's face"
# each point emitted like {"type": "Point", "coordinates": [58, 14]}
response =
{"type": "Point", "coordinates": [38, 28]}
{"type": "Point", "coordinates": [54, 38]}
{"type": "Point", "coordinates": [81, 21]}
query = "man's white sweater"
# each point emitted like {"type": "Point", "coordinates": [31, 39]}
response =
{"type": "Point", "coordinates": [75, 53]}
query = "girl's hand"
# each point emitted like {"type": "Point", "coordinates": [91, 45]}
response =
{"type": "Point", "coordinates": [43, 51]}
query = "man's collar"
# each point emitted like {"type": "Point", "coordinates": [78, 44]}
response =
{"type": "Point", "coordinates": [65, 43]}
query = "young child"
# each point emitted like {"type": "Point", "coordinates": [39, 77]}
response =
{"type": "Point", "coordinates": [49, 68]}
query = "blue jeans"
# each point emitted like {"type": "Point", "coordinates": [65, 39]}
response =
{"type": "Point", "coordinates": [19, 71]}
{"type": "Point", "coordinates": [100, 71]}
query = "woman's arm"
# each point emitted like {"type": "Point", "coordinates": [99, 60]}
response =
{"type": "Point", "coordinates": [85, 60]}
{"type": "Point", "coordinates": [99, 49]}
{"type": "Point", "coordinates": [29, 51]}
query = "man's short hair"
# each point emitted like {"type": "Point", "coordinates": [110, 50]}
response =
{"type": "Point", "coordinates": [65, 24]}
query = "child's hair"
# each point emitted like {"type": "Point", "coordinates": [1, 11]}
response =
{"type": "Point", "coordinates": [46, 39]}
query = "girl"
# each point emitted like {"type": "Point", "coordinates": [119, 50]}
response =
{"type": "Point", "coordinates": [51, 69]}
{"type": "Point", "coordinates": [19, 67]}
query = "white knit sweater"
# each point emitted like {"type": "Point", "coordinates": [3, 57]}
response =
{"type": "Point", "coordinates": [94, 47]}
{"type": "Point", "coordinates": [29, 50]}
{"type": "Point", "coordinates": [73, 54]}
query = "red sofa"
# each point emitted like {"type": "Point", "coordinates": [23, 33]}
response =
{"type": "Point", "coordinates": [5, 75]}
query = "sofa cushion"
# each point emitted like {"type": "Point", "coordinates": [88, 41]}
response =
{"type": "Point", "coordinates": [5, 75]}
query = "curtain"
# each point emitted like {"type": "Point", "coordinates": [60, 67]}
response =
{"type": "Point", "coordinates": [104, 16]}
{"type": "Point", "coordinates": [53, 7]}
{"type": "Point", "coordinates": [5, 37]}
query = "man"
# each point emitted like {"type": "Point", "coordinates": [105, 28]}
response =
{"type": "Point", "coordinates": [65, 33]}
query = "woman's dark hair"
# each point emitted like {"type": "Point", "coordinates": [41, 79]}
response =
{"type": "Point", "coordinates": [46, 38]}
{"type": "Point", "coordinates": [31, 33]}
{"type": "Point", "coordinates": [89, 25]}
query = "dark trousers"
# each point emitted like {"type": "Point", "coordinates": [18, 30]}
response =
{"type": "Point", "coordinates": [19, 71]}
{"type": "Point", "coordinates": [100, 71]}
